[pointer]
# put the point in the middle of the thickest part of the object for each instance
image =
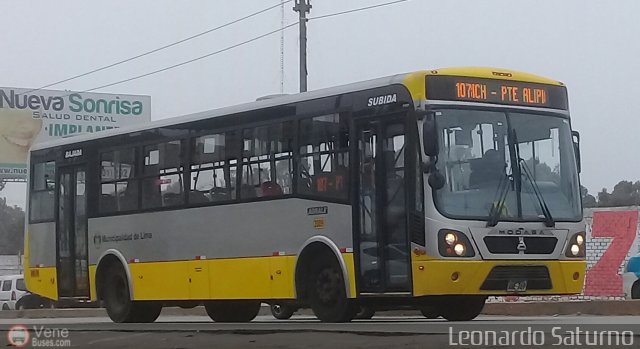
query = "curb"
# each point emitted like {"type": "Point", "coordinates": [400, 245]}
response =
{"type": "Point", "coordinates": [604, 308]}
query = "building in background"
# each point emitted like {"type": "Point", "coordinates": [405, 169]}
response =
{"type": "Point", "coordinates": [10, 264]}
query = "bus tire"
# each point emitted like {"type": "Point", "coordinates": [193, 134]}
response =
{"type": "Point", "coordinates": [635, 290]}
{"type": "Point", "coordinates": [232, 311]}
{"type": "Point", "coordinates": [117, 299]}
{"type": "Point", "coordinates": [430, 311]}
{"type": "Point", "coordinates": [327, 293]}
{"type": "Point", "coordinates": [146, 312]}
{"type": "Point", "coordinates": [282, 311]}
{"type": "Point", "coordinates": [463, 308]}
{"type": "Point", "coordinates": [365, 313]}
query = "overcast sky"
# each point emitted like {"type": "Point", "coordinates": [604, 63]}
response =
{"type": "Point", "coordinates": [590, 45]}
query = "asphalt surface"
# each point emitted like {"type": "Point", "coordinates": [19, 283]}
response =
{"type": "Point", "coordinates": [307, 332]}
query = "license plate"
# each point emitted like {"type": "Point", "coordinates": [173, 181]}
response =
{"type": "Point", "coordinates": [517, 286]}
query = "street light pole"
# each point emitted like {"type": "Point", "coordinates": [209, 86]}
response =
{"type": "Point", "coordinates": [303, 7]}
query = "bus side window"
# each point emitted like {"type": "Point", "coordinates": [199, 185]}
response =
{"type": "Point", "coordinates": [162, 181]}
{"type": "Point", "coordinates": [213, 168]}
{"type": "Point", "coordinates": [267, 162]}
{"type": "Point", "coordinates": [324, 156]}
{"type": "Point", "coordinates": [118, 188]}
{"type": "Point", "coordinates": [43, 191]}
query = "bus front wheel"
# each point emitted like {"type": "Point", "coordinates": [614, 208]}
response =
{"type": "Point", "coordinates": [462, 308]}
{"type": "Point", "coordinates": [232, 311]}
{"type": "Point", "coordinates": [327, 293]}
{"type": "Point", "coordinates": [118, 303]}
{"type": "Point", "coordinates": [430, 311]}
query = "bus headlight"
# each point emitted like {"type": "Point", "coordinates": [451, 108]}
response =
{"type": "Point", "coordinates": [452, 243]}
{"type": "Point", "coordinates": [450, 239]}
{"type": "Point", "coordinates": [576, 248]}
{"type": "Point", "coordinates": [459, 249]}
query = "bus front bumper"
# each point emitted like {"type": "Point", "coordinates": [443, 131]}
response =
{"type": "Point", "coordinates": [498, 277]}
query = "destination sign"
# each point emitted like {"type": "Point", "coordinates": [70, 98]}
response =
{"type": "Point", "coordinates": [454, 88]}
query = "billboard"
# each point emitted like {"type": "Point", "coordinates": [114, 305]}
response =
{"type": "Point", "coordinates": [32, 116]}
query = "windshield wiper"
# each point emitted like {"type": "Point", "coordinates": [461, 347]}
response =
{"type": "Point", "coordinates": [498, 206]}
{"type": "Point", "coordinates": [548, 219]}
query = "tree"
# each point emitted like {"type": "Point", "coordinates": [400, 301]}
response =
{"type": "Point", "coordinates": [588, 200]}
{"type": "Point", "coordinates": [625, 193]}
{"type": "Point", "coordinates": [11, 228]}
{"type": "Point", "coordinates": [604, 198]}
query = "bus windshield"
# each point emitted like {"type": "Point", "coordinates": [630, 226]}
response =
{"type": "Point", "coordinates": [510, 166]}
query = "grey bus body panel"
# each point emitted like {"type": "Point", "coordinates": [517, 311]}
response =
{"type": "Point", "coordinates": [42, 244]}
{"type": "Point", "coordinates": [223, 231]}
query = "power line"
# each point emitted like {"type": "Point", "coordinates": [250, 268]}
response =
{"type": "Point", "coordinates": [192, 60]}
{"type": "Point", "coordinates": [282, 3]}
{"type": "Point", "coordinates": [356, 10]}
{"type": "Point", "coordinates": [236, 45]}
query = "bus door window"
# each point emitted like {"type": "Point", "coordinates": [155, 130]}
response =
{"type": "Point", "coordinates": [395, 198]}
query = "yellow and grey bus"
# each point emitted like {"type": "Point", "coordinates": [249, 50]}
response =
{"type": "Point", "coordinates": [434, 189]}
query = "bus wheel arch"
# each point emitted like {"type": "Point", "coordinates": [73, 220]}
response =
{"type": "Point", "coordinates": [105, 262]}
{"type": "Point", "coordinates": [114, 288]}
{"type": "Point", "coordinates": [322, 281]}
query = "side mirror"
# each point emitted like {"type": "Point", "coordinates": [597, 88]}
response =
{"type": "Point", "coordinates": [436, 180]}
{"type": "Point", "coordinates": [575, 135]}
{"type": "Point", "coordinates": [430, 135]}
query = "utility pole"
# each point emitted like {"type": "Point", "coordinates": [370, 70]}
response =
{"type": "Point", "coordinates": [303, 7]}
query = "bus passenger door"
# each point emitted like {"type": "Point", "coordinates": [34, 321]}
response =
{"type": "Point", "coordinates": [383, 251]}
{"type": "Point", "coordinates": [71, 239]}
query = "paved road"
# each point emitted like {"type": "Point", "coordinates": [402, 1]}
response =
{"type": "Point", "coordinates": [307, 332]}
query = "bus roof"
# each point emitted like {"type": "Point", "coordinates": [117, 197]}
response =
{"type": "Point", "coordinates": [414, 81]}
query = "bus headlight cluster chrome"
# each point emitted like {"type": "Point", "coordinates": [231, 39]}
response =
{"type": "Point", "coordinates": [452, 243]}
{"type": "Point", "coordinates": [577, 246]}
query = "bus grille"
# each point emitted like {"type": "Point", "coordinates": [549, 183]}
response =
{"type": "Point", "coordinates": [537, 277]}
{"type": "Point", "coordinates": [509, 244]}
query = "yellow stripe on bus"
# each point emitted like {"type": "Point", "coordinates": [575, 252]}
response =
{"type": "Point", "coordinates": [232, 278]}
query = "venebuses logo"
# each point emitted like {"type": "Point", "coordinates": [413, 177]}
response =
{"type": "Point", "coordinates": [18, 336]}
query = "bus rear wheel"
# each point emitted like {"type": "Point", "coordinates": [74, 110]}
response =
{"type": "Point", "coordinates": [635, 290]}
{"type": "Point", "coordinates": [462, 308]}
{"type": "Point", "coordinates": [327, 293]}
{"type": "Point", "coordinates": [118, 303]}
{"type": "Point", "coordinates": [232, 311]}
{"type": "Point", "coordinates": [282, 311]}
